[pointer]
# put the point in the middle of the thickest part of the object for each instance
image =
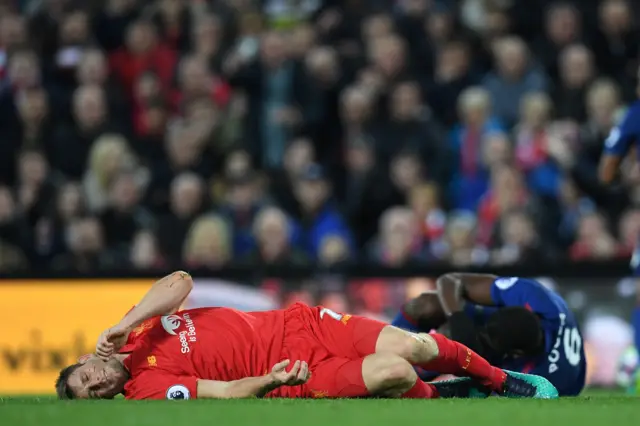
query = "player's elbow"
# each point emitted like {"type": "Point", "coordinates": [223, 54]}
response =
{"type": "Point", "coordinates": [183, 279]}
{"type": "Point", "coordinates": [446, 280]}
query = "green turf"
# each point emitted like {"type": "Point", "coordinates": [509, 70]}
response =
{"type": "Point", "coordinates": [597, 410]}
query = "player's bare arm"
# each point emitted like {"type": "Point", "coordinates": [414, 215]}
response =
{"type": "Point", "coordinates": [608, 168]}
{"type": "Point", "coordinates": [256, 386]}
{"type": "Point", "coordinates": [163, 298]}
{"type": "Point", "coordinates": [454, 288]}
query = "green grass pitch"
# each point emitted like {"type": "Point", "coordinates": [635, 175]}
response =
{"type": "Point", "coordinates": [596, 409]}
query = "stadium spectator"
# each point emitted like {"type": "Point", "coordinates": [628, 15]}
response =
{"type": "Point", "coordinates": [145, 252]}
{"type": "Point", "coordinates": [518, 240]}
{"type": "Point", "coordinates": [425, 202]}
{"type": "Point", "coordinates": [470, 179]}
{"type": "Point", "coordinates": [460, 247]}
{"type": "Point", "coordinates": [242, 203]}
{"type": "Point", "coordinates": [515, 76]}
{"type": "Point", "coordinates": [452, 75]}
{"type": "Point", "coordinates": [123, 217]}
{"type": "Point", "coordinates": [594, 240]}
{"type": "Point", "coordinates": [399, 242]}
{"type": "Point", "coordinates": [298, 156]}
{"type": "Point", "coordinates": [326, 80]}
{"type": "Point", "coordinates": [577, 71]}
{"type": "Point", "coordinates": [72, 142]}
{"type": "Point", "coordinates": [207, 41]}
{"type": "Point", "coordinates": [86, 248]}
{"type": "Point", "coordinates": [574, 205]}
{"type": "Point", "coordinates": [411, 128]}
{"type": "Point", "coordinates": [563, 27]}
{"type": "Point", "coordinates": [33, 129]}
{"type": "Point", "coordinates": [93, 69]}
{"type": "Point", "coordinates": [143, 51]}
{"type": "Point", "coordinates": [603, 103]}
{"type": "Point", "coordinates": [35, 186]}
{"type": "Point", "coordinates": [628, 228]}
{"type": "Point", "coordinates": [109, 156]}
{"type": "Point", "coordinates": [208, 243]}
{"type": "Point", "coordinates": [531, 139]}
{"type": "Point", "coordinates": [334, 249]}
{"type": "Point", "coordinates": [273, 232]}
{"type": "Point", "coordinates": [361, 191]}
{"type": "Point", "coordinates": [616, 41]}
{"type": "Point", "coordinates": [14, 230]}
{"type": "Point", "coordinates": [274, 87]}
{"type": "Point", "coordinates": [186, 202]}
{"type": "Point", "coordinates": [320, 217]}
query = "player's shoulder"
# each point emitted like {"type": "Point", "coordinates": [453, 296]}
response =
{"type": "Point", "coordinates": [505, 283]}
{"type": "Point", "coordinates": [630, 115]}
{"type": "Point", "coordinates": [634, 107]}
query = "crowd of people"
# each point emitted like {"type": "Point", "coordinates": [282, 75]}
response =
{"type": "Point", "coordinates": [173, 133]}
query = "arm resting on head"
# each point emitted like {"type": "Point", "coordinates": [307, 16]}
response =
{"type": "Point", "coordinates": [454, 288]}
{"type": "Point", "coordinates": [163, 298]}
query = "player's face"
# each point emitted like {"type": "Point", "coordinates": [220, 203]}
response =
{"type": "Point", "coordinates": [97, 379]}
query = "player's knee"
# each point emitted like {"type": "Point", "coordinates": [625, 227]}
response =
{"type": "Point", "coordinates": [394, 372]}
{"type": "Point", "coordinates": [418, 347]}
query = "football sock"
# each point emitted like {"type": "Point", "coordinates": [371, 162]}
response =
{"type": "Point", "coordinates": [421, 390]}
{"type": "Point", "coordinates": [455, 358]}
{"type": "Point", "coordinates": [405, 322]}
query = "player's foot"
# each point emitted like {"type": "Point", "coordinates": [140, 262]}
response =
{"type": "Point", "coordinates": [463, 387]}
{"type": "Point", "coordinates": [520, 385]}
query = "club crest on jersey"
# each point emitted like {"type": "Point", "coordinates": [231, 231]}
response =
{"type": "Point", "coordinates": [170, 323]}
{"type": "Point", "coordinates": [177, 392]}
{"type": "Point", "coordinates": [152, 361]}
{"type": "Point", "coordinates": [147, 325]}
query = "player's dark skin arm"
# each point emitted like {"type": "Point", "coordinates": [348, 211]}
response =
{"type": "Point", "coordinates": [608, 168]}
{"type": "Point", "coordinates": [610, 164]}
{"type": "Point", "coordinates": [455, 288]}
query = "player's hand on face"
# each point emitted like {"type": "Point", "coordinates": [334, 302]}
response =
{"type": "Point", "coordinates": [110, 341]}
{"type": "Point", "coordinates": [297, 375]}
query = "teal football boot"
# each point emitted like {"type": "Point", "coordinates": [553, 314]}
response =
{"type": "Point", "coordinates": [521, 385]}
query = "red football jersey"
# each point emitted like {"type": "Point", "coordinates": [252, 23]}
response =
{"type": "Point", "coordinates": [168, 354]}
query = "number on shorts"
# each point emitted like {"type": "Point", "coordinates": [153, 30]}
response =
{"type": "Point", "coordinates": [332, 314]}
{"type": "Point", "coordinates": [572, 346]}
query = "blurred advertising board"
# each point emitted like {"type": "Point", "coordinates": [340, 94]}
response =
{"type": "Point", "coordinates": [49, 324]}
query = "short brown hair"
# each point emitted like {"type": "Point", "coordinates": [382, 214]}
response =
{"type": "Point", "coordinates": [62, 382]}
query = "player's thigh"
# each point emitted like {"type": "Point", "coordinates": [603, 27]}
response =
{"type": "Point", "coordinates": [337, 378]}
{"type": "Point", "coordinates": [346, 336]}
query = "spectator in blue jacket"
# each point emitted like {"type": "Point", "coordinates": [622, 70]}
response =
{"type": "Point", "coordinates": [320, 216]}
{"type": "Point", "coordinates": [470, 178]}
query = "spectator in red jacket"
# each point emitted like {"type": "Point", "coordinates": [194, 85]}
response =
{"type": "Point", "coordinates": [143, 51]}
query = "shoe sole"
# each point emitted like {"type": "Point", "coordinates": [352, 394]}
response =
{"type": "Point", "coordinates": [544, 388]}
{"type": "Point", "coordinates": [474, 390]}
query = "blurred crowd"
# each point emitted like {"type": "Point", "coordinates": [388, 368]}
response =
{"type": "Point", "coordinates": [171, 133]}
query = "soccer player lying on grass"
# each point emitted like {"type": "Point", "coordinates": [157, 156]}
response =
{"type": "Point", "coordinates": [515, 323]}
{"type": "Point", "coordinates": [155, 352]}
